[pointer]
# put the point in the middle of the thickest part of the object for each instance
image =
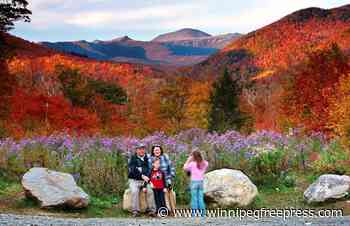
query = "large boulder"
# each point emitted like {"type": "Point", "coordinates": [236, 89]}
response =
{"type": "Point", "coordinates": [53, 189]}
{"type": "Point", "coordinates": [327, 186]}
{"type": "Point", "coordinates": [228, 188]}
{"type": "Point", "coordinates": [143, 205]}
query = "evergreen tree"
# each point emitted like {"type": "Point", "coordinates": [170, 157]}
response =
{"type": "Point", "coordinates": [225, 113]}
{"type": "Point", "coordinates": [11, 11]}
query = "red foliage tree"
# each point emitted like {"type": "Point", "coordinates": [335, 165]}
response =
{"type": "Point", "coordinates": [35, 113]}
{"type": "Point", "coordinates": [307, 96]}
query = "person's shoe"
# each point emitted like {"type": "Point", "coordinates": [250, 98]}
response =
{"type": "Point", "coordinates": [171, 213]}
{"type": "Point", "coordinates": [152, 214]}
{"type": "Point", "coordinates": [148, 211]}
{"type": "Point", "coordinates": [135, 214]}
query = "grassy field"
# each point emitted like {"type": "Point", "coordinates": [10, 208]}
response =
{"type": "Point", "coordinates": [283, 197]}
{"type": "Point", "coordinates": [13, 200]}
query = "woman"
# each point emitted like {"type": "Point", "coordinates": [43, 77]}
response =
{"type": "Point", "coordinates": [168, 170]}
{"type": "Point", "coordinates": [197, 166]}
{"type": "Point", "coordinates": [166, 166]}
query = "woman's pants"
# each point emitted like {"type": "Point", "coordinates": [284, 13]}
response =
{"type": "Point", "coordinates": [197, 197]}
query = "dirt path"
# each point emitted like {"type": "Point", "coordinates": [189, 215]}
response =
{"type": "Point", "coordinates": [19, 220]}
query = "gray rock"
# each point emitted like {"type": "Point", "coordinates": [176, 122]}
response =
{"type": "Point", "coordinates": [53, 189]}
{"type": "Point", "coordinates": [228, 188]}
{"type": "Point", "coordinates": [328, 186]}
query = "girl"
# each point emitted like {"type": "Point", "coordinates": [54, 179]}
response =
{"type": "Point", "coordinates": [197, 166]}
{"type": "Point", "coordinates": [157, 181]}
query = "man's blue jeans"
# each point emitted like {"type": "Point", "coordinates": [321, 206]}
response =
{"type": "Point", "coordinates": [197, 197]}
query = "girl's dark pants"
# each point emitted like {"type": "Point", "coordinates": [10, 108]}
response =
{"type": "Point", "coordinates": [159, 198]}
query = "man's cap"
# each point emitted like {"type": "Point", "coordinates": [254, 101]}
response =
{"type": "Point", "coordinates": [140, 145]}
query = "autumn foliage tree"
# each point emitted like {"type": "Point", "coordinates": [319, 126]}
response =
{"type": "Point", "coordinates": [197, 104]}
{"type": "Point", "coordinates": [173, 96]}
{"type": "Point", "coordinates": [98, 96]}
{"type": "Point", "coordinates": [339, 110]}
{"type": "Point", "coordinates": [10, 11]}
{"type": "Point", "coordinates": [81, 90]}
{"type": "Point", "coordinates": [77, 79]}
{"type": "Point", "coordinates": [34, 113]}
{"type": "Point", "coordinates": [74, 86]}
{"type": "Point", "coordinates": [7, 82]}
{"type": "Point", "coordinates": [295, 72]}
{"type": "Point", "coordinates": [274, 49]}
{"type": "Point", "coordinates": [311, 86]}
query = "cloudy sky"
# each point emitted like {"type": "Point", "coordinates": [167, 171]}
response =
{"type": "Point", "coordinates": [64, 20]}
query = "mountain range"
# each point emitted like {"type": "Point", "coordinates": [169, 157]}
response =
{"type": "Point", "coordinates": [263, 58]}
{"type": "Point", "coordinates": [285, 42]}
{"type": "Point", "coordinates": [270, 56]}
{"type": "Point", "coordinates": [184, 47]}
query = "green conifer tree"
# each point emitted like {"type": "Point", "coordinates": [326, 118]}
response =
{"type": "Point", "coordinates": [225, 113]}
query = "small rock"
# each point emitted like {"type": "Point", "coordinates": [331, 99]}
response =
{"type": "Point", "coordinates": [328, 186]}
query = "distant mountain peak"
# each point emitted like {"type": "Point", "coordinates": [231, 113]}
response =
{"type": "Point", "coordinates": [340, 13]}
{"type": "Point", "coordinates": [193, 47]}
{"type": "Point", "coordinates": [184, 30]}
{"type": "Point", "coordinates": [81, 41]}
{"type": "Point", "coordinates": [182, 34]}
{"type": "Point", "coordinates": [122, 39]}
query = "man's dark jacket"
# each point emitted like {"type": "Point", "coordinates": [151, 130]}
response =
{"type": "Point", "coordinates": [135, 165]}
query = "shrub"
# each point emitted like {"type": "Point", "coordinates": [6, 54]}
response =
{"type": "Point", "coordinates": [103, 173]}
{"type": "Point", "coordinates": [98, 171]}
{"type": "Point", "coordinates": [182, 181]}
{"type": "Point", "coordinates": [99, 164]}
{"type": "Point", "coordinates": [14, 165]}
{"type": "Point", "coordinates": [268, 167]}
{"type": "Point", "coordinates": [334, 159]}
{"type": "Point", "coordinates": [236, 160]}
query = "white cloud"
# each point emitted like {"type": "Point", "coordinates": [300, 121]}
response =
{"type": "Point", "coordinates": [108, 17]}
{"type": "Point", "coordinates": [248, 19]}
{"type": "Point", "coordinates": [145, 18]}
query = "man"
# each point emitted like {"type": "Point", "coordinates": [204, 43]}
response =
{"type": "Point", "coordinates": [138, 174]}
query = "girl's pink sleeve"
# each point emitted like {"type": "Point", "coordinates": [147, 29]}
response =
{"type": "Point", "coordinates": [206, 164]}
{"type": "Point", "coordinates": [188, 166]}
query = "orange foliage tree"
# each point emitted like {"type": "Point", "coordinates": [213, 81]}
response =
{"type": "Point", "coordinates": [339, 110]}
{"type": "Point", "coordinates": [138, 116]}
{"type": "Point", "coordinates": [197, 105]}
{"type": "Point", "coordinates": [172, 107]}
{"type": "Point", "coordinates": [311, 86]}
